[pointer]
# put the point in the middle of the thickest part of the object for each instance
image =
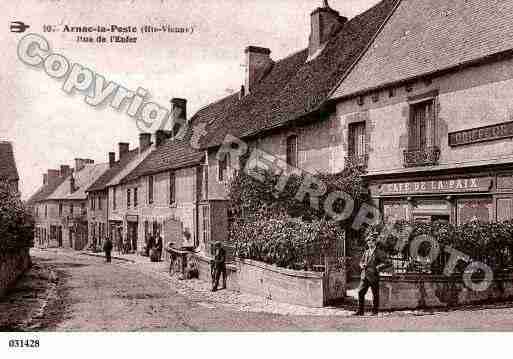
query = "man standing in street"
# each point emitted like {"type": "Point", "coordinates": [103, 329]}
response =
{"type": "Point", "coordinates": [158, 246]}
{"type": "Point", "coordinates": [373, 261]}
{"type": "Point", "coordinates": [107, 247]}
{"type": "Point", "coordinates": [219, 266]}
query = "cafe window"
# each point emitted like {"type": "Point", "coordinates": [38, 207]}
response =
{"type": "Point", "coordinates": [150, 189]}
{"type": "Point", "coordinates": [172, 187]}
{"type": "Point", "coordinates": [477, 209]}
{"type": "Point", "coordinates": [357, 142]}
{"type": "Point", "coordinates": [421, 129]}
{"type": "Point", "coordinates": [128, 194]}
{"type": "Point", "coordinates": [292, 155]}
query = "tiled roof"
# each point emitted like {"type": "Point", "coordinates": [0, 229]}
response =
{"type": "Point", "coordinates": [8, 169]}
{"type": "Point", "coordinates": [44, 191]}
{"type": "Point", "coordinates": [83, 180]}
{"type": "Point", "coordinates": [426, 36]}
{"type": "Point", "coordinates": [172, 154]}
{"type": "Point", "coordinates": [101, 183]}
{"type": "Point", "coordinates": [293, 87]}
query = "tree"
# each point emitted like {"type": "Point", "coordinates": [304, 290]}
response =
{"type": "Point", "coordinates": [16, 222]}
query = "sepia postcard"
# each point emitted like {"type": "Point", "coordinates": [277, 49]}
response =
{"type": "Point", "coordinates": [243, 166]}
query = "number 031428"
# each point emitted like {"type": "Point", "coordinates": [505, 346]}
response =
{"type": "Point", "coordinates": [24, 343]}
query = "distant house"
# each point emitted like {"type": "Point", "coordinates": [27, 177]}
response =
{"type": "Point", "coordinates": [59, 206]}
{"type": "Point", "coordinates": [8, 170]}
{"type": "Point", "coordinates": [106, 214]}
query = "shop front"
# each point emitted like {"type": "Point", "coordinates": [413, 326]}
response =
{"type": "Point", "coordinates": [452, 196]}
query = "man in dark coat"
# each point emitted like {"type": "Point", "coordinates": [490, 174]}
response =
{"type": "Point", "coordinates": [159, 246]}
{"type": "Point", "coordinates": [107, 247]}
{"type": "Point", "coordinates": [219, 266]}
{"type": "Point", "coordinates": [373, 261]}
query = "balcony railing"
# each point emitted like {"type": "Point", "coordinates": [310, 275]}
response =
{"type": "Point", "coordinates": [428, 156]}
{"type": "Point", "coordinates": [360, 161]}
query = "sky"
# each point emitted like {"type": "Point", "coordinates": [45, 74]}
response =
{"type": "Point", "coordinates": [49, 127]}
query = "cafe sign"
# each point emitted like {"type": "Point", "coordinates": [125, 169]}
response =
{"type": "Point", "coordinates": [481, 134]}
{"type": "Point", "coordinates": [455, 185]}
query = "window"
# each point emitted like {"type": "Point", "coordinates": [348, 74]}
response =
{"type": "Point", "coordinates": [92, 202]}
{"type": "Point", "coordinates": [60, 209]}
{"type": "Point", "coordinates": [71, 209]}
{"type": "Point", "coordinates": [206, 224]}
{"type": "Point", "coordinates": [114, 198]}
{"type": "Point", "coordinates": [357, 142]}
{"type": "Point", "coordinates": [128, 194]}
{"type": "Point", "coordinates": [46, 210]}
{"type": "Point", "coordinates": [223, 167]}
{"type": "Point", "coordinates": [83, 208]}
{"type": "Point", "coordinates": [292, 151]}
{"type": "Point", "coordinates": [100, 202]}
{"type": "Point", "coordinates": [172, 187]}
{"type": "Point", "coordinates": [135, 197]}
{"type": "Point", "coordinates": [150, 189]}
{"type": "Point", "coordinates": [422, 126]}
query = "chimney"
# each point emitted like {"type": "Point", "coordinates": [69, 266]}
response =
{"type": "Point", "coordinates": [257, 60]}
{"type": "Point", "coordinates": [144, 141]}
{"type": "Point", "coordinates": [72, 187]}
{"type": "Point", "coordinates": [323, 21]}
{"type": "Point", "coordinates": [179, 114]}
{"type": "Point", "coordinates": [53, 176]}
{"type": "Point", "coordinates": [112, 159]}
{"type": "Point", "coordinates": [160, 137]}
{"type": "Point", "coordinates": [45, 179]}
{"type": "Point", "coordinates": [65, 171]}
{"type": "Point", "coordinates": [123, 149]}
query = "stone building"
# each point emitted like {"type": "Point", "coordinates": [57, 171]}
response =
{"type": "Point", "coordinates": [283, 108]}
{"type": "Point", "coordinates": [162, 193]}
{"type": "Point", "coordinates": [430, 105]}
{"type": "Point", "coordinates": [60, 205]}
{"type": "Point", "coordinates": [42, 210]}
{"type": "Point", "coordinates": [103, 215]}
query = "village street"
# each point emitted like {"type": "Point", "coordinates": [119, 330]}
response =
{"type": "Point", "coordinates": [90, 295]}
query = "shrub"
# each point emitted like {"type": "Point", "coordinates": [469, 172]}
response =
{"type": "Point", "coordinates": [284, 242]}
{"type": "Point", "coordinates": [489, 243]}
{"type": "Point", "coordinates": [16, 222]}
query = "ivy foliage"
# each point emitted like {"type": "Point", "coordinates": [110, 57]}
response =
{"type": "Point", "coordinates": [489, 243]}
{"type": "Point", "coordinates": [273, 224]}
{"type": "Point", "coordinates": [16, 222]}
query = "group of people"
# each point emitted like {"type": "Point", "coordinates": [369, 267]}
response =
{"type": "Point", "coordinates": [154, 245]}
{"type": "Point", "coordinates": [373, 261]}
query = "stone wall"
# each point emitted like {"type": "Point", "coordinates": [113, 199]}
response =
{"type": "Point", "coordinates": [413, 291]}
{"type": "Point", "coordinates": [12, 265]}
{"type": "Point", "coordinates": [311, 289]}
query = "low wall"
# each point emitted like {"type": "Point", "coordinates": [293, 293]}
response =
{"type": "Point", "coordinates": [203, 265]}
{"type": "Point", "coordinates": [12, 265]}
{"type": "Point", "coordinates": [280, 284]}
{"type": "Point", "coordinates": [311, 289]}
{"type": "Point", "coordinates": [414, 291]}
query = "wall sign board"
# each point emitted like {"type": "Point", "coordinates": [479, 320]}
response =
{"type": "Point", "coordinates": [481, 134]}
{"type": "Point", "coordinates": [455, 185]}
